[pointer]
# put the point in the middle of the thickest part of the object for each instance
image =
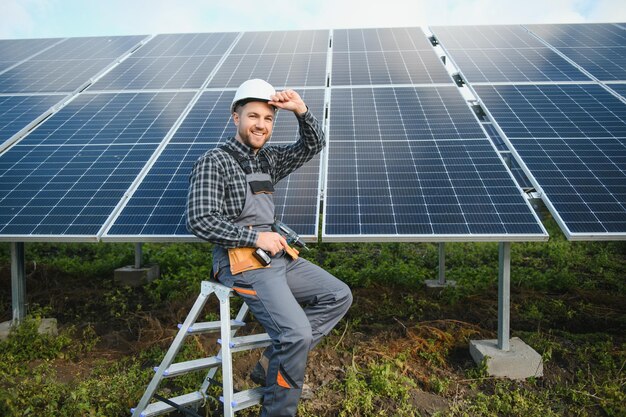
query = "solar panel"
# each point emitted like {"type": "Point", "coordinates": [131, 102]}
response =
{"type": "Point", "coordinates": [66, 66]}
{"type": "Point", "coordinates": [581, 35]}
{"type": "Point", "coordinates": [572, 138]}
{"type": "Point", "coordinates": [485, 37]}
{"type": "Point", "coordinates": [96, 47]}
{"type": "Point", "coordinates": [111, 118]}
{"type": "Point", "coordinates": [515, 65]}
{"type": "Point", "coordinates": [187, 44]}
{"type": "Point", "coordinates": [157, 208]}
{"type": "Point", "coordinates": [604, 63]}
{"type": "Point", "coordinates": [504, 54]}
{"type": "Point", "coordinates": [64, 179]}
{"type": "Point", "coordinates": [412, 163]}
{"type": "Point", "coordinates": [294, 59]}
{"type": "Point", "coordinates": [380, 39]}
{"type": "Point", "coordinates": [175, 61]}
{"type": "Point", "coordinates": [64, 190]}
{"type": "Point", "coordinates": [13, 51]}
{"type": "Point", "coordinates": [377, 56]}
{"type": "Point", "coordinates": [16, 112]}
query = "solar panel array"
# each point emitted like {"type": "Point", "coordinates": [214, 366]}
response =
{"type": "Point", "coordinates": [126, 117]}
{"type": "Point", "coordinates": [569, 137]}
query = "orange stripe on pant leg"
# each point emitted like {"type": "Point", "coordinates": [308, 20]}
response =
{"type": "Point", "coordinates": [281, 381]}
{"type": "Point", "coordinates": [244, 291]}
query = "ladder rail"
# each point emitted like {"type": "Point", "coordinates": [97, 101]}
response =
{"type": "Point", "coordinates": [226, 355]}
{"type": "Point", "coordinates": [171, 353]}
{"type": "Point", "coordinates": [241, 316]}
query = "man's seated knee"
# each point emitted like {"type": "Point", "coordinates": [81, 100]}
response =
{"type": "Point", "coordinates": [299, 336]}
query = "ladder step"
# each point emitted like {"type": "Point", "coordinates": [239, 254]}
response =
{"type": "Point", "coordinates": [159, 407]}
{"type": "Point", "coordinates": [211, 326]}
{"type": "Point", "coordinates": [247, 398]}
{"type": "Point", "coordinates": [240, 343]}
{"type": "Point", "coordinates": [190, 366]}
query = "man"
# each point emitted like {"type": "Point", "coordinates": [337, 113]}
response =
{"type": "Point", "coordinates": [230, 204]}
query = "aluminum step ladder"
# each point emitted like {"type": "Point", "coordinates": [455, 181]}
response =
{"type": "Point", "coordinates": [229, 344]}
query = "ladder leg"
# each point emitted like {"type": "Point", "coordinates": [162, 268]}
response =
{"type": "Point", "coordinates": [226, 355]}
{"type": "Point", "coordinates": [172, 352]}
{"type": "Point", "coordinates": [241, 317]}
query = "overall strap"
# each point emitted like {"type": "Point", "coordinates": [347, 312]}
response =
{"type": "Point", "coordinates": [244, 163]}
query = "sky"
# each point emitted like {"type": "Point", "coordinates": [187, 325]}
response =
{"type": "Point", "coordinates": [70, 18]}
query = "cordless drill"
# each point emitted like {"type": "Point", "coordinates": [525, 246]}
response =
{"type": "Point", "coordinates": [290, 236]}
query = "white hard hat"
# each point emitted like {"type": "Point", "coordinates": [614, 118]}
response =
{"type": "Point", "coordinates": [253, 89]}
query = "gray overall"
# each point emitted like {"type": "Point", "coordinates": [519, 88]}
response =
{"type": "Point", "coordinates": [274, 295]}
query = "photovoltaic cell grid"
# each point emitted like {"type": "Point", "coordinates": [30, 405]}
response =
{"type": "Point", "coordinates": [598, 48]}
{"type": "Point", "coordinates": [157, 207]}
{"type": "Point", "coordinates": [573, 140]}
{"type": "Point", "coordinates": [589, 35]}
{"type": "Point", "coordinates": [187, 44]}
{"type": "Point", "coordinates": [18, 111]}
{"type": "Point", "coordinates": [282, 58]}
{"type": "Point", "coordinates": [66, 182]}
{"type": "Point", "coordinates": [111, 118]}
{"type": "Point", "coordinates": [504, 54]}
{"type": "Point", "coordinates": [485, 37]}
{"type": "Point", "coordinates": [66, 66]}
{"type": "Point", "coordinates": [604, 63]}
{"type": "Point", "coordinates": [13, 51]}
{"type": "Point", "coordinates": [381, 39]}
{"type": "Point", "coordinates": [385, 56]}
{"type": "Point", "coordinates": [619, 88]}
{"type": "Point", "coordinates": [413, 163]}
{"type": "Point", "coordinates": [515, 65]}
{"type": "Point", "coordinates": [169, 62]}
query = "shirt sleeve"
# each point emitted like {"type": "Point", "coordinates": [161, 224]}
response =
{"type": "Point", "coordinates": [205, 217]}
{"type": "Point", "coordinates": [291, 157]}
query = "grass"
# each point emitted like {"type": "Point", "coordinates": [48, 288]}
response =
{"type": "Point", "coordinates": [401, 351]}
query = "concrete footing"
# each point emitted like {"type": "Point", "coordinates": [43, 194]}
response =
{"type": "Point", "coordinates": [519, 362]}
{"type": "Point", "coordinates": [434, 283]}
{"type": "Point", "coordinates": [46, 326]}
{"type": "Point", "coordinates": [135, 277]}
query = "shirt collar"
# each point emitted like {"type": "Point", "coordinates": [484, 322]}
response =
{"type": "Point", "coordinates": [239, 147]}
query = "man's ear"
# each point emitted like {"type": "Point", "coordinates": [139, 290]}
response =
{"type": "Point", "coordinates": [236, 118]}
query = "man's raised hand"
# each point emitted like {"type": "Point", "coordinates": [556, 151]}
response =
{"type": "Point", "coordinates": [289, 100]}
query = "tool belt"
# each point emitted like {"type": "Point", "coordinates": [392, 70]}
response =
{"type": "Point", "coordinates": [243, 259]}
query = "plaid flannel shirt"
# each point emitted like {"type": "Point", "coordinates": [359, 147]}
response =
{"type": "Point", "coordinates": [217, 184]}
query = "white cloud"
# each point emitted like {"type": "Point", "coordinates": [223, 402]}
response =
{"type": "Point", "coordinates": [608, 11]}
{"type": "Point", "coordinates": [15, 18]}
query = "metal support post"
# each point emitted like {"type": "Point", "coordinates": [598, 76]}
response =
{"type": "Point", "coordinates": [441, 281]}
{"type": "Point", "coordinates": [18, 282]}
{"type": "Point", "coordinates": [442, 264]}
{"type": "Point", "coordinates": [138, 255]}
{"type": "Point", "coordinates": [506, 357]}
{"type": "Point", "coordinates": [504, 295]}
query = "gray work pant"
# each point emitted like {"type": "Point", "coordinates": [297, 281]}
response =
{"type": "Point", "coordinates": [274, 295]}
